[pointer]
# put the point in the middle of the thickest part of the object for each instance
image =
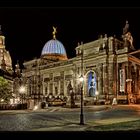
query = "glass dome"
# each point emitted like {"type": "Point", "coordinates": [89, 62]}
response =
{"type": "Point", "coordinates": [54, 49]}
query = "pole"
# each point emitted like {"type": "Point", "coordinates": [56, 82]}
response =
{"type": "Point", "coordinates": [22, 100]}
{"type": "Point", "coordinates": [82, 115]}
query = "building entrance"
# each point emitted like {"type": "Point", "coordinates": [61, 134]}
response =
{"type": "Point", "coordinates": [92, 84]}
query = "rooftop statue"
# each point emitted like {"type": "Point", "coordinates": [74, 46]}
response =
{"type": "Point", "coordinates": [54, 32]}
{"type": "Point", "coordinates": [127, 37]}
{"type": "Point", "coordinates": [126, 28]}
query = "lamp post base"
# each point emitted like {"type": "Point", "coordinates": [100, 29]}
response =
{"type": "Point", "coordinates": [81, 119]}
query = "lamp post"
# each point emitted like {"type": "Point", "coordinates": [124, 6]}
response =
{"type": "Point", "coordinates": [81, 113]}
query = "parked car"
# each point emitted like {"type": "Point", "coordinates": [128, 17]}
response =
{"type": "Point", "coordinates": [56, 102]}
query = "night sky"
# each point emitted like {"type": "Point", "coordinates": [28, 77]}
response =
{"type": "Point", "coordinates": [27, 29]}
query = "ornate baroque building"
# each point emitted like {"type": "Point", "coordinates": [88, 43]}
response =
{"type": "Point", "coordinates": [111, 69]}
{"type": "Point", "coordinates": [6, 70]}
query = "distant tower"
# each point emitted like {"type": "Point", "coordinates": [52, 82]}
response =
{"type": "Point", "coordinates": [5, 58]}
{"type": "Point", "coordinates": [2, 39]}
{"type": "Point", "coordinates": [17, 69]}
{"type": "Point", "coordinates": [3, 64]}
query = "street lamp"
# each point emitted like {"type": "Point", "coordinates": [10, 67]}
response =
{"type": "Point", "coordinates": [22, 91]}
{"type": "Point", "coordinates": [81, 113]}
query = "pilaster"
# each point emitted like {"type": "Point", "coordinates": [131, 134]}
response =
{"type": "Point", "coordinates": [100, 79]}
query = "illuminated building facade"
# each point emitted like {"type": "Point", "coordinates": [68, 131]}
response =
{"type": "Point", "coordinates": [111, 69]}
{"type": "Point", "coordinates": [6, 70]}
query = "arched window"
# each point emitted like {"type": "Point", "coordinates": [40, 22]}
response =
{"type": "Point", "coordinates": [91, 84]}
{"type": "Point", "coordinates": [46, 90]}
{"type": "Point", "coordinates": [56, 91]}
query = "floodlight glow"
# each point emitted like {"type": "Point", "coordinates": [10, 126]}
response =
{"type": "Point", "coordinates": [81, 79]}
{"type": "Point", "coordinates": [2, 100]}
{"type": "Point", "coordinates": [22, 89]}
{"type": "Point", "coordinates": [97, 93]}
{"type": "Point", "coordinates": [36, 107]}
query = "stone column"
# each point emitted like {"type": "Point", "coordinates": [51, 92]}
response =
{"type": "Point", "coordinates": [51, 87]}
{"type": "Point", "coordinates": [58, 87]}
{"type": "Point", "coordinates": [105, 80]}
{"type": "Point", "coordinates": [129, 78]}
{"type": "Point", "coordinates": [61, 86]}
{"type": "Point", "coordinates": [110, 78]}
{"type": "Point", "coordinates": [62, 82]}
{"type": "Point", "coordinates": [110, 44]}
{"type": "Point", "coordinates": [136, 79]}
{"type": "Point", "coordinates": [100, 79]}
{"type": "Point", "coordinates": [117, 78]}
{"type": "Point", "coordinates": [44, 88]}
{"type": "Point", "coordinates": [65, 87]}
{"type": "Point", "coordinates": [43, 85]}
{"type": "Point", "coordinates": [51, 83]}
{"type": "Point", "coordinates": [74, 79]}
{"type": "Point", "coordinates": [77, 74]}
{"type": "Point", "coordinates": [86, 81]}
{"type": "Point", "coordinates": [126, 77]}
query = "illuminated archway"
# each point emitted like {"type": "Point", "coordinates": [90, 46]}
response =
{"type": "Point", "coordinates": [91, 83]}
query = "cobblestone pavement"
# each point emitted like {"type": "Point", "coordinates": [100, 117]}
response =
{"type": "Point", "coordinates": [62, 119]}
{"type": "Point", "coordinates": [55, 109]}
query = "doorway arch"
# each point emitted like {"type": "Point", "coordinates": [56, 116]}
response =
{"type": "Point", "coordinates": [91, 83]}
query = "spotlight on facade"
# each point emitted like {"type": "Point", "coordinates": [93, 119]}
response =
{"type": "Point", "coordinates": [50, 96]}
{"type": "Point", "coordinates": [35, 107]}
{"type": "Point", "coordinates": [22, 89]}
{"type": "Point", "coordinates": [81, 79]}
{"type": "Point", "coordinates": [11, 101]}
{"type": "Point", "coordinates": [96, 93]}
{"type": "Point", "coordinates": [2, 100]}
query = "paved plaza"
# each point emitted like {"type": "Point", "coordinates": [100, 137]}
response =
{"type": "Point", "coordinates": [67, 119]}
